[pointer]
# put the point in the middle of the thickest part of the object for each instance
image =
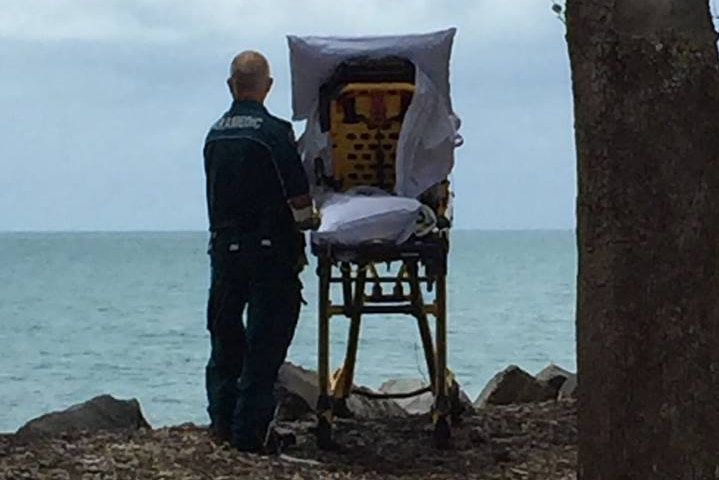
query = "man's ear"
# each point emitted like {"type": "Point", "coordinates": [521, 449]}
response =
{"type": "Point", "coordinates": [229, 85]}
{"type": "Point", "coordinates": [270, 82]}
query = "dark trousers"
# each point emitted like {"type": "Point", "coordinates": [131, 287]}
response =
{"type": "Point", "coordinates": [245, 359]}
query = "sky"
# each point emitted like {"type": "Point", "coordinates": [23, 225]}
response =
{"type": "Point", "coordinates": [104, 104]}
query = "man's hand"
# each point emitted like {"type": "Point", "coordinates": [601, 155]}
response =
{"type": "Point", "coordinates": [303, 212]}
{"type": "Point", "coordinates": [312, 223]}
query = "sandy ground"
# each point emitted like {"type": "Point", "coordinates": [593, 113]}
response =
{"type": "Point", "coordinates": [533, 441]}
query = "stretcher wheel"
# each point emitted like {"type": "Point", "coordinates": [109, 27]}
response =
{"type": "Point", "coordinates": [324, 434]}
{"type": "Point", "coordinates": [442, 433]}
{"type": "Point", "coordinates": [340, 409]}
{"type": "Point", "coordinates": [456, 407]}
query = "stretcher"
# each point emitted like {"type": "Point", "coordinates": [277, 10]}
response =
{"type": "Point", "coordinates": [362, 106]}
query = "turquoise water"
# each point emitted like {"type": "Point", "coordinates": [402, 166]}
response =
{"type": "Point", "coordinates": [123, 313]}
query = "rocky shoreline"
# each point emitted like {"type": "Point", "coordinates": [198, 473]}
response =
{"type": "Point", "coordinates": [529, 436]}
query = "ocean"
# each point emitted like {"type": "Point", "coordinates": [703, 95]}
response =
{"type": "Point", "coordinates": [83, 314]}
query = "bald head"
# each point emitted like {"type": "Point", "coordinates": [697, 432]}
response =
{"type": "Point", "coordinates": [249, 76]}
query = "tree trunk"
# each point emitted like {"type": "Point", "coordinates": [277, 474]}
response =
{"type": "Point", "coordinates": [646, 91]}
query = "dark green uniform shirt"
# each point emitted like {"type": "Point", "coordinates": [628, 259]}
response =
{"type": "Point", "coordinates": [252, 168]}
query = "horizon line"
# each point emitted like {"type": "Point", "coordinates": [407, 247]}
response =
{"type": "Point", "coordinates": [458, 229]}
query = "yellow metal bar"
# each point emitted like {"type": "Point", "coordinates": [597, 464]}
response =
{"type": "Point", "coordinates": [345, 386]}
{"type": "Point", "coordinates": [373, 277]}
{"type": "Point", "coordinates": [346, 271]}
{"type": "Point", "coordinates": [441, 333]}
{"type": "Point", "coordinates": [402, 271]}
{"type": "Point", "coordinates": [400, 278]}
{"type": "Point", "coordinates": [324, 270]}
{"type": "Point", "coordinates": [372, 271]}
{"type": "Point", "coordinates": [412, 270]}
{"type": "Point", "coordinates": [442, 411]}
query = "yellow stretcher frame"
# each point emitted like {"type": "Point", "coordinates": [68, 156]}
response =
{"type": "Point", "coordinates": [364, 122]}
{"type": "Point", "coordinates": [423, 266]}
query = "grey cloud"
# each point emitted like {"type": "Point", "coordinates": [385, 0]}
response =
{"type": "Point", "coordinates": [108, 135]}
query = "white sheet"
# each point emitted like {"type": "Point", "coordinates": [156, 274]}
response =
{"type": "Point", "coordinates": [358, 219]}
{"type": "Point", "coordinates": [429, 134]}
{"type": "Point", "coordinates": [313, 59]}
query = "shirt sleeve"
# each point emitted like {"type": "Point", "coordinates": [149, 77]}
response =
{"type": "Point", "coordinates": [289, 165]}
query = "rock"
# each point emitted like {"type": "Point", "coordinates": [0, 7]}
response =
{"type": "Point", "coordinates": [372, 409]}
{"type": "Point", "coordinates": [420, 404]}
{"type": "Point", "coordinates": [554, 376]}
{"type": "Point", "coordinates": [569, 389]}
{"type": "Point", "coordinates": [101, 413]}
{"type": "Point", "coordinates": [513, 385]}
{"type": "Point", "coordinates": [415, 405]}
{"type": "Point", "coordinates": [539, 438]}
{"type": "Point", "coordinates": [297, 391]}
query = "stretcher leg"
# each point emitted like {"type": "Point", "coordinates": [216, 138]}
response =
{"type": "Point", "coordinates": [422, 322]}
{"type": "Point", "coordinates": [442, 406]}
{"type": "Point", "coordinates": [324, 406]}
{"type": "Point", "coordinates": [346, 377]}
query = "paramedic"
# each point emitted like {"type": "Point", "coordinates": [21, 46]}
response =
{"type": "Point", "coordinates": [258, 202]}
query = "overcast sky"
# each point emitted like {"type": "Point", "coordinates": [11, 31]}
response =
{"type": "Point", "coordinates": [104, 104]}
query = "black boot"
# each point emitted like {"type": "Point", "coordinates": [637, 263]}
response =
{"type": "Point", "coordinates": [278, 440]}
{"type": "Point", "coordinates": [220, 433]}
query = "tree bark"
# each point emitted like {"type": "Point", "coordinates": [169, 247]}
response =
{"type": "Point", "coordinates": [646, 92]}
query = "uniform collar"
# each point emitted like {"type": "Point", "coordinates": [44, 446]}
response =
{"type": "Point", "coordinates": [247, 105]}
